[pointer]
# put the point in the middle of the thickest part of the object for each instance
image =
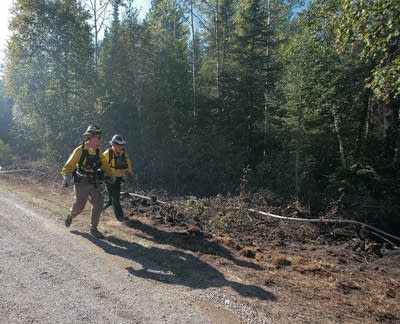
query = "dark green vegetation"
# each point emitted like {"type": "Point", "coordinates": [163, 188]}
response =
{"type": "Point", "coordinates": [221, 96]}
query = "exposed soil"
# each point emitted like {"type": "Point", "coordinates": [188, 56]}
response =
{"type": "Point", "coordinates": [239, 266]}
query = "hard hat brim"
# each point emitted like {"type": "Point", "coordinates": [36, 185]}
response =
{"type": "Point", "coordinates": [111, 143]}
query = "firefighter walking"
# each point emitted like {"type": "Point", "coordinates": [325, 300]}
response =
{"type": "Point", "coordinates": [120, 164]}
{"type": "Point", "coordinates": [88, 168]}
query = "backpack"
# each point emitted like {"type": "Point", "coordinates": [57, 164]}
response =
{"type": "Point", "coordinates": [92, 162]}
{"type": "Point", "coordinates": [120, 161]}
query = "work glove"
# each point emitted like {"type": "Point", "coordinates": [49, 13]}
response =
{"type": "Point", "coordinates": [110, 179]}
{"type": "Point", "coordinates": [67, 180]}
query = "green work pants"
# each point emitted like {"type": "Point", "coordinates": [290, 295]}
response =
{"type": "Point", "coordinates": [112, 198]}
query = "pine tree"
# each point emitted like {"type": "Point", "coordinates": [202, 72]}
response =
{"type": "Point", "coordinates": [49, 73]}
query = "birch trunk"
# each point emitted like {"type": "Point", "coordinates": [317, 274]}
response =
{"type": "Point", "coordinates": [337, 130]}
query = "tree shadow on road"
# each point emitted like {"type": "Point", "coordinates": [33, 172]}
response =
{"type": "Point", "coordinates": [172, 267]}
{"type": "Point", "coordinates": [191, 242]}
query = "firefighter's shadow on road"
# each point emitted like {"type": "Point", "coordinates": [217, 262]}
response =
{"type": "Point", "coordinates": [191, 242]}
{"type": "Point", "coordinates": [172, 267]}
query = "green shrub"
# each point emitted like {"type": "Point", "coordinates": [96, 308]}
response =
{"type": "Point", "coordinates": [359, 179]}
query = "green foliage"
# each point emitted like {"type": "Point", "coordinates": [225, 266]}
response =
{"type": "Point", "coordinates": [300, 105]}
{"type": "Point", "coordinates": [221, 221]}
{"type": "Point", "coordinates": [5, 114]}
{"type": "Point", "coordinates": [358, 180]}
{"type": "Point", "coordinates": [328, 109]}
{"type": "Point", "coordinates": [5, 153]}
{"type": "Point", "coordinates": [49, 73]}
{"type": "Point", "coordinates": [118, 75]}
{"type": "Point", "coordinates": [375, 24]}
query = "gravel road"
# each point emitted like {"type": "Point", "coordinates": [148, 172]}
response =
{"type": "Point", "coordinates": [50, 275]}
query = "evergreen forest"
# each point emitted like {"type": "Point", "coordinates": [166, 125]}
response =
{"type": "Point", "coordinates": [298, 98]}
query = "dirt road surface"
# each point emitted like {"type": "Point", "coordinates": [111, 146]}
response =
{"type": "Point", "coordinates": [51, 275]}
{"type": "Point", "coordinates": [149, 271]}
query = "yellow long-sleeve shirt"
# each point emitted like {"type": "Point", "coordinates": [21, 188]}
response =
{"type": "Point", "coordinates": [111, 163]}
{"type": "Point", "coordinates": [73, 161]}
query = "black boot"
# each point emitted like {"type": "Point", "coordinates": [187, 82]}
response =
{"type": "Point", "coordinates": [68, 220]}
{"type": "Point", "coordinates": [96, 233]}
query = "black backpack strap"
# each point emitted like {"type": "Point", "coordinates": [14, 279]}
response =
{"type": "Point", "coordinates": [110, 155]}
{"type": "Point", "coordinates": [98, 155]}
{"type": "Point", "coordinates": [84, 154]}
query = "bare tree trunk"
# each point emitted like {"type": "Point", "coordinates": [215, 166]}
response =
{"type": "Point", "coordinates": [337, 130]}
{"type": "Point", "coordinates": [367, 120]}
{"type": "Point", "coordinates": [300, 127]}
{"type": "Point", "coordinates": [396, 159]}
{"type": "Point", "coordinates": [193, 64]}
{"type": "Point", "coordinates": [392, 132]}
{"type": "Point", "coordinates": [363, 127]}
{"type": "Point", "coordinates": [100, 15]}
{"type": "Point", "coordinates": [297, 163]}
{"type": "Point", "coordinates": [217, 64]}
{"type": "Point", "coordinates": [266, 84]}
